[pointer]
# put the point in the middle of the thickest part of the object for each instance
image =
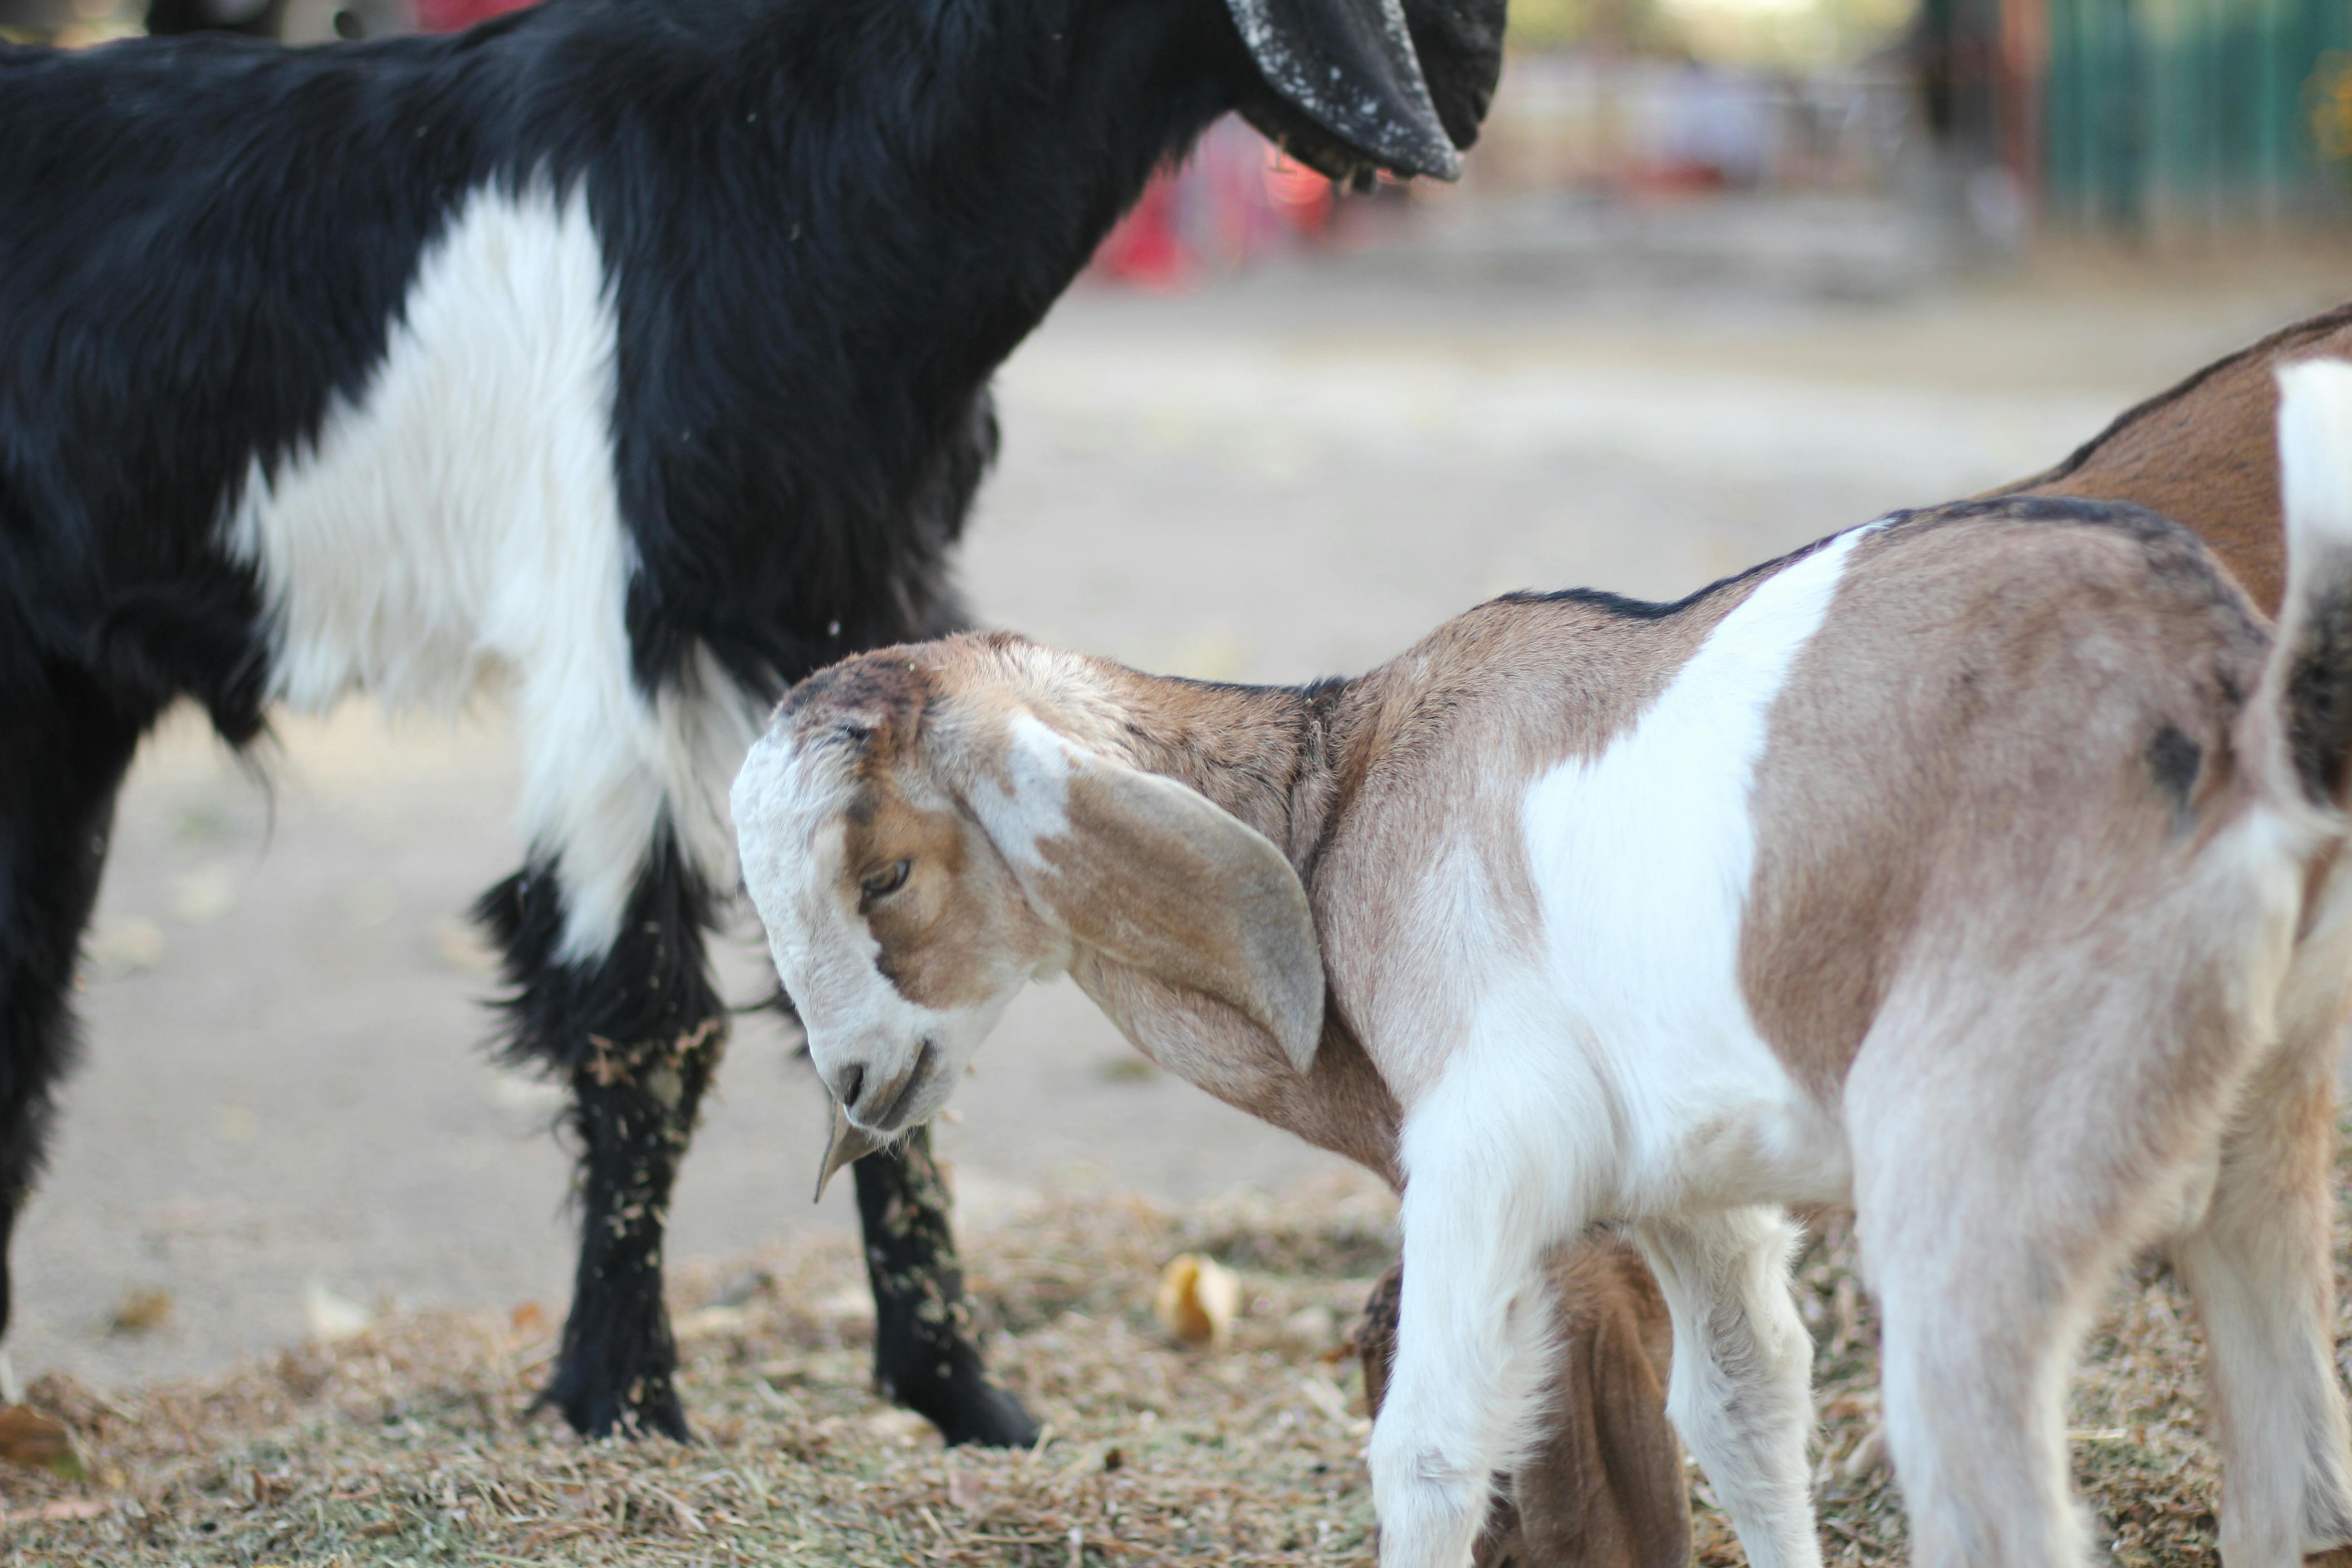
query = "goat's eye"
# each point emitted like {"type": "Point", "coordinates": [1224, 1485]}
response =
{"type": "Point", "coordinates": [883, 883]}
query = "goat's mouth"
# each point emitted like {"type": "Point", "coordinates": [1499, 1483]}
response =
{"type": "Point", "coordinates": [894, 1113]}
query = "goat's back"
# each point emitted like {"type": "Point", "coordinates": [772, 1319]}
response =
{"type": "Point", "coordinates": [1997, 729]}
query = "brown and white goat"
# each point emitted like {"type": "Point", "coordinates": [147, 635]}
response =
{"type": "Point", "coordinates": [1973, 866]}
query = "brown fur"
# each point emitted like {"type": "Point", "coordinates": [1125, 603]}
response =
{"type": "Point", "coordinates": [2040, 605]}
{"type": "Point", "coordinates": [2205, 454]}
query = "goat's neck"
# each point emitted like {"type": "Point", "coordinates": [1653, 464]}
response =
{"type": "Point", "coordinates": [1261, 752]}
{"type": "Point", "coordinates": [974, 187]}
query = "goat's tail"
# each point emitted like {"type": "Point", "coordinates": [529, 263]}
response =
{"type": "Point", "coordinates": [2308, 685]}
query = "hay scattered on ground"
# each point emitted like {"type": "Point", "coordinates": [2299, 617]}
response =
{"type": "Point", "coordinates": [414, 1442]}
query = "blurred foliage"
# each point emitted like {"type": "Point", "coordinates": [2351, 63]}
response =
{"type": "Point", "coordinates": [1773, 34]}
{"type": "Point", "coordinates": [1637, 26]}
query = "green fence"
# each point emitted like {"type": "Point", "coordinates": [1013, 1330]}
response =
{"type": "Point", "coordinates": [2197, 113]}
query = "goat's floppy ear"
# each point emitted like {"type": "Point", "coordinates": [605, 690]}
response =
{"type": "Point", "coordinates": [1148, 876]}
{"type": "Point", "coordinates": [1350, 67]}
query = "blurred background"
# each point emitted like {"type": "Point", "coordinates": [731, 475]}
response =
{"type": "Point", "coordinates": [1724, 275]}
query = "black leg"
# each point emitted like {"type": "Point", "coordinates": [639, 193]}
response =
{"type": "Point", "coordinates": [637, 1037]}
{"type": "Point", "coordinates": [924, 1355]}
{"type": "Point", "coordinates": [62, 756]}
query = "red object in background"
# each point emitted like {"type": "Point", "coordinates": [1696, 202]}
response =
{"type": "Point", "coordinates": [456, 15]}
{"type": "Point", "coordinates": [1236, 201]}
{"type": "Point", "coordinates": [1143, 249]}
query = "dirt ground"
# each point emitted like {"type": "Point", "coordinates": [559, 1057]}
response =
{"type": "Point", "coordinates": [285, 1110]}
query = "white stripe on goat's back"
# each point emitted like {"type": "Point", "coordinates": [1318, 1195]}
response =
{"type": "Point", "coordinates": [460, 520]}
{"type": "Point", "coordinates": [1641, 858]}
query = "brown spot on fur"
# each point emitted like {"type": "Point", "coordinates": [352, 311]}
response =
{"type": "Point", "coordinates": [931, 931]}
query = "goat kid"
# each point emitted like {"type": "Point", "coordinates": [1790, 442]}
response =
{"type": "Point", "coordinates": [1972, 867]}
{"type": "Point", "coordinates": [632, 352]}
{"type": "Point", "coordinates": [2204, 453]}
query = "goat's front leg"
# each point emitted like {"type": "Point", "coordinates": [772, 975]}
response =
{"type": "Point", "coordinates": [637, 1033]}
{"type": "Point", "coordinates": [1604, 1487]}
{"type": "Point", "coordinates": [925, 1353]}
{"type": "Point", "coordinates": [1473, 1325]}
{"type": "Point", "coordinates": [1741, 1390]}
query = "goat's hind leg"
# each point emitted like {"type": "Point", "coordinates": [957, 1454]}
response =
{"type": "Point", "coordinates": [1985, 1271]}
{"type": "Point", "coordinates": [63, 753]}
{"type": "Point", "coordinates": [2258, 1266]}
{"type": "Point", "coordinates": [1741, 1388]}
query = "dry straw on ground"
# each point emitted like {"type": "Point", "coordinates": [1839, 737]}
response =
{"type": "Point", "coordinates": [412, 1442]}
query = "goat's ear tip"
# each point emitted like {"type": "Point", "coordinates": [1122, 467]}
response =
{"type": "Point", "coordinates": [1301, 1045]}
{"type": "Point", "coordinates": [1301, 1029]}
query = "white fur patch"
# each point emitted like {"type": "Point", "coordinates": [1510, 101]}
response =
{"type": "Point", "coordinates": [1615, 1075]}
{"type": "Point", "coordinates": [1031, 808]}
{"type": "Point", "coordinates": [459, 522]}
{"type": "Point", "coordinates": [1641, 860]}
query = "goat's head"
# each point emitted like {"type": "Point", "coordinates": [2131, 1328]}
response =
{"type": "Point", "coordinates": [920, 844]}
{"type": "Point", "coordinates": [1349, 85]}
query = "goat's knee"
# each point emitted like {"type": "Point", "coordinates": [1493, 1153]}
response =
{"type": "Point", "coordinates": [1430, 1503]}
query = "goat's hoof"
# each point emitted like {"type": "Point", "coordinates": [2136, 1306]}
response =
{"type": "Point", "coordinates": [601, 1414]}
{"type": "Point", "coordinates": [972, 1410]}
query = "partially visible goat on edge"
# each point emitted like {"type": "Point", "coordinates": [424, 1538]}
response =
{"type": "Point", "coordinates": [633, 351]}
{"type": "Point", "coordinates": [1974, 867]}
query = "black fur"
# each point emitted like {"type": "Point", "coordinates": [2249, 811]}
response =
{"type": "Point", "coordinates": [824, 222]}
{"type": "Point", "coordinates": [2173, 760]}
{"type": "Point", "coordinates": [2320, 699]}
{"type": "Point", "coordinates": [925, 1354]}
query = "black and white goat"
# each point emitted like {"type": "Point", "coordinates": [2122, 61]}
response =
{"type": "Point", "coordinates": [630, 353]}
{"type": "Point", "coordinates": [1980, 866]}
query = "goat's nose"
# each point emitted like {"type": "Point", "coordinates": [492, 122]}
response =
{"type": "Point", "coordinates": [852, 1081]}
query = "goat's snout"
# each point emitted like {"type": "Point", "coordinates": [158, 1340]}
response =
{"type": "Point", "coordinates": [882, 1103]}
{"type": "Point", "coordinates": [847, 1084]}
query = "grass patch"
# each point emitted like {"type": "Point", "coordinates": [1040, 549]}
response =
{"type": "Point", "coordinates": [415, 1443]}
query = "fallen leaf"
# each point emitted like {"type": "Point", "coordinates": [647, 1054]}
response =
{"type": "Point", "coordinates": [1198, 1301]}
{"type": "Point", "coordinates": [34, 1440]}
{"type": "Point", "coordinates": [529, 1321]}
{"type": "Point", "coordinates": [142, 1312]}
{"type": "Point", "coordinates": [895, 1426]}
{"type": "Point", "coordinates": [330, 1316]}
